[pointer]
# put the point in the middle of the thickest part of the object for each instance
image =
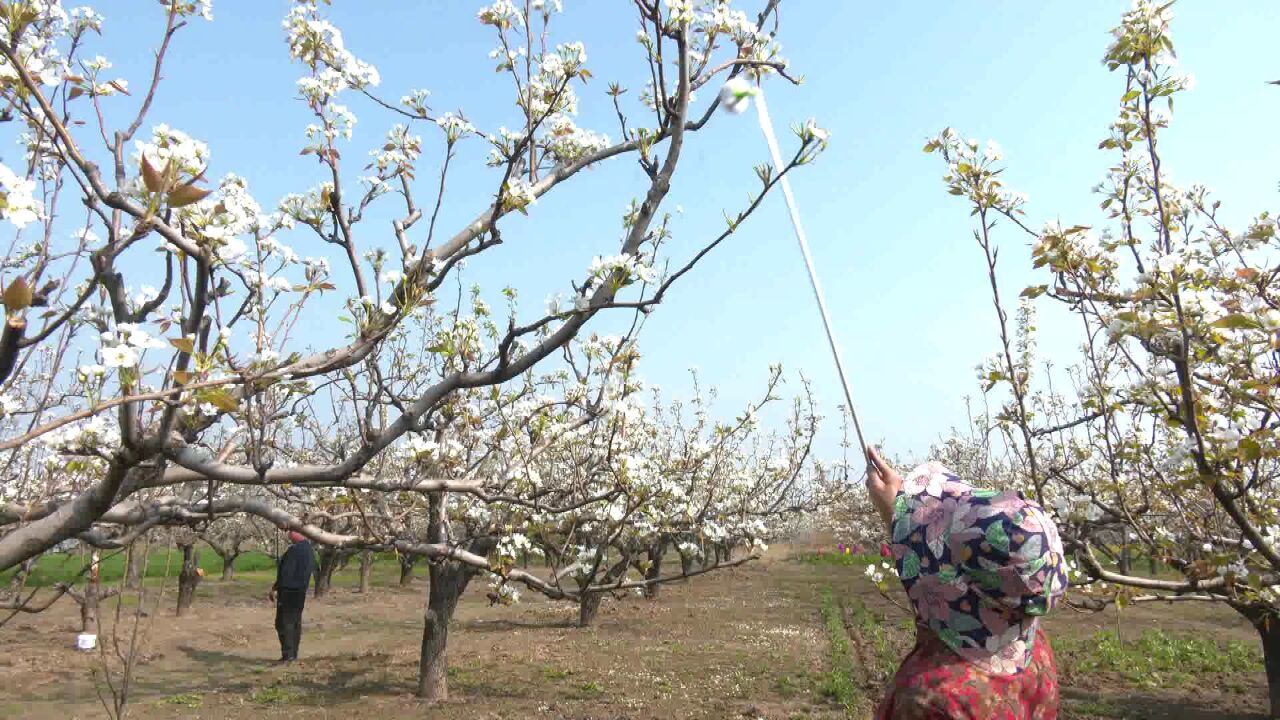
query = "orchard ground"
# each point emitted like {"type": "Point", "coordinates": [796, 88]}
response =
{"type": "Point", "coordinates": [784, 637]}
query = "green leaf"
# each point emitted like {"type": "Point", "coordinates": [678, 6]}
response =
{"type": "Point", "coordinates": [961, 622]}
{"type": "Point", "coordinates": [985, 578]}
{"type": "Point", "coordinates": [910, 565]}
{"type": "Point", "coordinates": [1236, 322]}
{"type": "Point", "coordinates": [222, 400]}
{"type": "Point", "coordinates": [1249, 450]}
{"type": "Point", "coordinates": [997, 537]}
{"type": "Point", "coordinates": [949, 636]}
{"type": "Point", "coordinates": [947, 573]}
{"type": "Point", "coordinates": [900, 506]}
{"type": "Point", "coordinates": [902, 528]}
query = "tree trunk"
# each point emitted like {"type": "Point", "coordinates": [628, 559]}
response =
{"type": "Point", "coordinates": [654, 571]}
{"type": "Point", "coordinates": [686, 565]}
{"type": "Point", "coordinates": [589, 603]}
{"type": "Point", "coordinates": [448, 580]}
{"type": "Point", "coordinates": [324, 574]}
{"type": "Point", "coordinates": [1267, 623]}
{"type": "Point", "coordinates": [1151, 565]}
{"type": "Point", "coordinates": [588, 606]}
{"type": "Point", "coordinates": [228, 566]}
{"type": "Point", "coordinates": [92, 592]}
{"type": "Point", "coordinates": [1271, 659]}
{"type": "Point", "coordinates": [366, 566]}
{"type": "Point", "coordinates": [188, 578]}
{"type": "Point", "coordinates": [134, 571]}
{"type": "Point", "coordinates": [1126, 561]}
{"type": "Point", "coordinates": [406, 568]}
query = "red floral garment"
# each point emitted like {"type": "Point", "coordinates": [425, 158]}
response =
{"type": "Point", "coordinates": [934, 683]}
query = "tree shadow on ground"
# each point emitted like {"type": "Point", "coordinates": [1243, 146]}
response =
{"type": "Point", "coordinates": [319, 679]}
{"type": "Point", "coordinates": [1140, 706]}
{"type": "Point", "coordinates": [329, 686]}
{"type": "Point", "coordinates": [477, 625]}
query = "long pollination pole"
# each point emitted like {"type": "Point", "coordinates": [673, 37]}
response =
{"type": "Point", "coordinates": [767, 126]}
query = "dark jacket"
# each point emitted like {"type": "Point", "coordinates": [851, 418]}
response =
{"type": "Point", "coordinates": [296, 566]}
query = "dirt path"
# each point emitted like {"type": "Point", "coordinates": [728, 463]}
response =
{"type": "Point", "coordinates": [748, 643]}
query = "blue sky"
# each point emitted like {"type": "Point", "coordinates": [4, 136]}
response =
{"type": "Point", "coordinates": [903, 277]}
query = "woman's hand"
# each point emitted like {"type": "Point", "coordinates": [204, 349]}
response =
{"type": "Point", "coordinates": [883, 484]}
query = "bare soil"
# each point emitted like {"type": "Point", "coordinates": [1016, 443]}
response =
{"type": "Point", "coordinates": [748, 642]}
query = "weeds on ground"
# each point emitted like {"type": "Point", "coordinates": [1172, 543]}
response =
{"type": "Point", "coordinates": [871, 626]}
{"type": "Point", "coordinates": [839, 684]}
{"type": "Point", "coordinates": [1098, 708]}
{"type": "Point", "coordinates": [839, 559]}
{"type": "Point", "coordinates": [274, 695]}
{"type": "Point", "coordinates": [551, 672]}
{"type": "Point", "coordinates": [189, 700]}
{"type": "Point", "coordinates": [1155, 659]}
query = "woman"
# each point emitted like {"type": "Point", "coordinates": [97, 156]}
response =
{"type": "Point", "coordinates": [980, 567]}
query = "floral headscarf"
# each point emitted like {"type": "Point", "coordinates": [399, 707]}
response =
{"type": "Point", "coordinates": [980, 566]}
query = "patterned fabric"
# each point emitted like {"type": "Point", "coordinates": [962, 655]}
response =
{"type": "Point", "coordinates": [934, 684]}
{"type": "Point", "coordinates": [980, 566]}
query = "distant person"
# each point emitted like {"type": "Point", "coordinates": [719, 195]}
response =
{"type": "Point", "coordinates": [289, 593]}
{"type": "Point", "coordinates": [981, 567]}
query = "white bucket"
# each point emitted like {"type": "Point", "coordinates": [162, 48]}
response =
{"type": "Point", "coordinates": [86, 641]}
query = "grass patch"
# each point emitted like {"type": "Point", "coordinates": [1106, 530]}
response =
{"type": "Point", "coordinates": [788, 687]}
{"type": "Point", "coordinates": [838, 684]}
{"type": "Point", "coordinates": [551, 672]}
{"type": "Point", "coordinates": [54, 568]}
{"type": "Point", "coordinates": [274, 695]}
{"type": "Point", "coordinates": [1157, 659]}
{"type": "Point", "coordinates": [1097, 708]}
{"type": "Point", "coordinates": [188, 700]}
{"type": "Point", "coordinates": [587, 691]}
{"type": "Point", "coordinates": [837, 559]}
{"type": "Point", "coordinates": [871, 626]}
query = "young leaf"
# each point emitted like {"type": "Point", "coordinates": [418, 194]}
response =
{"type": "Point", "coordinates": [186, 195]}
{"type": "Point", "coordinates": [1236, 322]}
{"type": "Point", "coordinates": [17, 296]}
{"type": "Point", "coordinates": [222, 400]}
{"type": "Point", "coordinates": [186, 345]}
{"type": "Point", "coordinates": [150, 176]}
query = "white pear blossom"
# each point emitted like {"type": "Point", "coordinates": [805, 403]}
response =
{"type": "Point", "coordinates": [119, 356]}
{"type": "Point", "coordinates": [19, 205]}
{"type": "Point", "coordinates": [736, 95]}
